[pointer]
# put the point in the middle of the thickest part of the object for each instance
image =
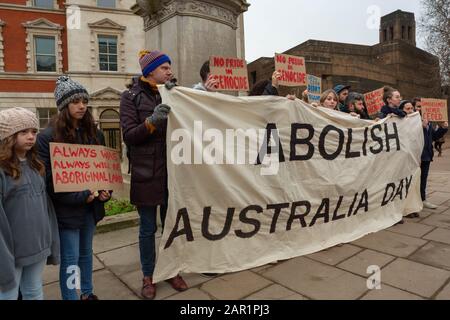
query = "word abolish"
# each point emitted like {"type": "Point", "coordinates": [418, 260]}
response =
{"type": "Point", "coordinates": [250, 146]}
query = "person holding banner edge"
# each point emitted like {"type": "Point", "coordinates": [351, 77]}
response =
{"type": "Point", "coordinates": [342, 92]}
{"type": "Point", "coordinates": [392, 100]}
{"type": "Point", "coordinates": [143, 118]}
{"type": "Point", "coordinates": [430, 135]}
{"type": "Point", "coordinates": [329, 99]}
{"type": "Point", "coordinates": [77, 212]}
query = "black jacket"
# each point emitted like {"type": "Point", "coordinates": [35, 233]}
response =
{"type": "Point", "coordinates": [430, 135]}
{"type": "Point", "coordinates": [147, 150]}
{"type": "Point", "coordinates": [385, 110]}
{"type": "Point", "coordinates": [270, 90]}
{"type": "Point", "coordinates": [70, 207]}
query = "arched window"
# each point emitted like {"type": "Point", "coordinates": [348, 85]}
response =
{"type": "Point", "coordinates": [109, 124]}
{"type": "Point", "coordinates": [109, 114]}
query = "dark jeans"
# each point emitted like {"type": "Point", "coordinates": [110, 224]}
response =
{"type": "Point", "coordinates": [76, 252]}
{"type": "Point", "coordinates": [425, 168]}
{"type": "Point", "coordinates": [147, 232]}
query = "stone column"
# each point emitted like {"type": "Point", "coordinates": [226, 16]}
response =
{"type": "Point", "coordinates": [190, 31]}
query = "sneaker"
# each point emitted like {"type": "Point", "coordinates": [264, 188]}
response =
{"type": "Point", "coordinates": [429, 205]}
{"type": "Point", "coordinates": [88, 297]}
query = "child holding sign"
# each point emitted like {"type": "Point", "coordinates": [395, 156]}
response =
{"type": "Point", "coordinates": [28, 226]}
{"type": "Point", "coordinates": [77, 212]}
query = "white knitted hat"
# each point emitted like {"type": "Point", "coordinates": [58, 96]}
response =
{"type": "Point", "coordinates": [15, 120]}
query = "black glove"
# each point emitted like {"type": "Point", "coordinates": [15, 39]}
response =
{"type": "Point", "coordinates": [171, 84]}
{"type": "Point", "coordinates": [159, 114]}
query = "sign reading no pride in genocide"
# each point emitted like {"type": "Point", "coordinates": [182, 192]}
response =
{"type": "Point", "coordinates": [85, 167]}
{"type": "Point", "coordinates": [230, 72]}
{"type": "Point", "coordinates": [374, 101]}
{"type": "Point", "coordinates": [292, 69]}
{"type": "Point", "coordinates": [237, 202]}
{"type": "Point", "coordinates": [434, 109]}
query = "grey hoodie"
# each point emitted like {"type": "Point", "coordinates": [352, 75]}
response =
{"type": "Point", "coordinates": [28, 226]}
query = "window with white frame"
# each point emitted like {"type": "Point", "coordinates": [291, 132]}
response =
{"type": "Point", "coordinates": [45, 54]}
{"type": "Point", "coordinates": [44, 116]}
{"type": "Point", "coordinates": [107, 52]}
{"type": "Point", "coordinates": [106, 3]}
{"type": "Point", "coordinates": [107, 46]}
{"type": "Point", "coordinates": [43, 46]}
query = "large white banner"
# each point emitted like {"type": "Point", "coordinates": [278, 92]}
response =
{"type": "Point", "coordinates": [237, 202]}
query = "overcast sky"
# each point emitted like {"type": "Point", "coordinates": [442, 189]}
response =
{"type": "Point", "coordinates": [278, 25]}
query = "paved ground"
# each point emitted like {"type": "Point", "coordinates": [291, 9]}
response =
{"type": "Point", "coordinates": [414, 257]}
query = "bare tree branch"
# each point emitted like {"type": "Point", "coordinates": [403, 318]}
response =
{"type": "Point", "coordinates": [435, 27]}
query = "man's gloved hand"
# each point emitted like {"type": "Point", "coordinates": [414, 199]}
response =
{"type": "Point", "coordinates": [171, 84]}
{"type": "Point", "coordinates": [159, 114]}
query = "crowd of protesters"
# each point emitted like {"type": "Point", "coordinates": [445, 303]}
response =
{"type": "Point", "coordinates": [39, 226]}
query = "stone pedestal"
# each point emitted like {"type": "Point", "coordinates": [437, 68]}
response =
{"type": "Point", "coordinates": [190, 31]}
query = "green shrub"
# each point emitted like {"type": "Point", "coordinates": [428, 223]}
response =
{"type": "Point", "coordinates": [116, 206]}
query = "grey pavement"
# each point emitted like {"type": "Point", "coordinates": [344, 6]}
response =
{"type": "Point", "coordinates": [414, 259]}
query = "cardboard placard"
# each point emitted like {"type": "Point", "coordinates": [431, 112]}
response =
{"type": "Point", "coordinates": [231, 73]}
{"type": "Point", "coordinates": [77, 167]}
{"type": "Point", "coordinates": [292, 69]}
{"type": "Point", "coordinates": [374, 101]}
{"type": "Point", "coordinates": [314, 88]}
{"type": "Point", "coordinates": [434, 109]}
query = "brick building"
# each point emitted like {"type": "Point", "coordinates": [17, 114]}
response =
{"type": "Point", "coordinates": [394, 61]}
{"type": "Point", "coordinates": [33, 51]}
{"type": "Point", "coordinates": [100, 50]}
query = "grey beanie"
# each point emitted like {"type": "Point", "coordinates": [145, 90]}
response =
{"type": "Point", "coordinates": [67, 91]}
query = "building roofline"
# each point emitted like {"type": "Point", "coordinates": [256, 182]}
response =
{"type": "Point", "coordinates": [396, 12]}
{"type": "Point", "coordinates": [329, 42]}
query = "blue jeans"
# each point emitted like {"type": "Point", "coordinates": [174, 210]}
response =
{"type": "Point", "coordinates": [147, 230]}
{"type": "Point", "coordinates": [29, 278]}
{"type": "Point", "coordinates": [75, 271]}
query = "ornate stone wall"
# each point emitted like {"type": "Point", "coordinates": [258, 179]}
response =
{"type": "Point", "coordinates": [190, 31]}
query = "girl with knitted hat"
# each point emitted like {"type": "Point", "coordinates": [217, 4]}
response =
{"type": "Point", "coordinates": [28, 228]}
{"type": "Point", "coordinates": [77, 212]}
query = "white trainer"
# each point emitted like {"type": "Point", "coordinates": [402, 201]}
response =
{"type": "Point", "coordinates": [429, 205]}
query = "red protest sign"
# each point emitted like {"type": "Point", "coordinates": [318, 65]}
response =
{"type": "Point", "coordinates": [292, 69]}
{"type": "Point", "coordinates": [434, 109]}
{"type": "Point", "coordinates": [374, 101]}
{"type": "Point", "coordinates": [231, 73]}
{"type": "Point", "coordinates": [85, 167]}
